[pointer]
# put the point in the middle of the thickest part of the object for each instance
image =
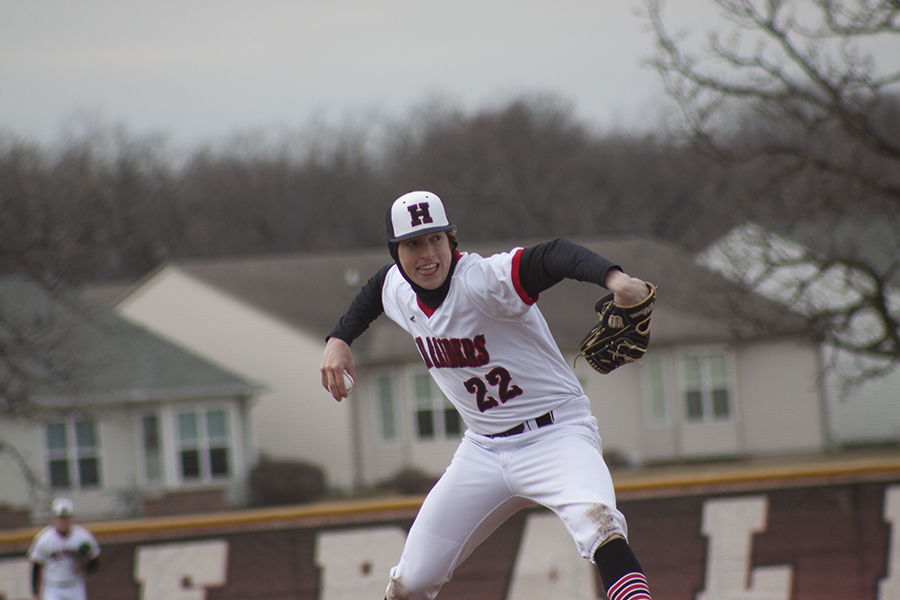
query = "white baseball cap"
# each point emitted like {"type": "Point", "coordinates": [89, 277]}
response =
{"type": "Point", "coordinates": [62, 507]}
{"type": "Point", "coordinates": [416, 214]}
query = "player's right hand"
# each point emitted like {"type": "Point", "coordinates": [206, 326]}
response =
{"type": "Point", "coordinates": [336, 359]}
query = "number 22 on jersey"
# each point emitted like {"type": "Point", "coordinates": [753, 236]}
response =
{"type": "Point", "coordinates": [498, 378]}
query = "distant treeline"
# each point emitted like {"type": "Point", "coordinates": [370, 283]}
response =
{"type": "Point", "coordinates": [111, 205]}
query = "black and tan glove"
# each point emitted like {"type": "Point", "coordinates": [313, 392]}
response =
{"type": "Point", "coordinates": [622, 334]}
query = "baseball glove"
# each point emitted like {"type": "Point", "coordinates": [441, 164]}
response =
{"type": "Point", "coordinates": [84, 554]}
{"type": "Point", "coordinates": [622, 334]}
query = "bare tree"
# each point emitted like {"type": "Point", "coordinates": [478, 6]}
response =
{"type": "Point", "coordinates": [106, 205]}
{"type": "Point", "coordinates": [40, 357]}
{"type": "Point", "coordinates": [529, 168]}
{"type": "Point", "coordinates": [790, 99]}
{"type": "Point", "coordinates": [45, 234]}
{"type": "Point", "coordinates": [792, 80]}
{"type": "Point", "coordinates": [98, 207]}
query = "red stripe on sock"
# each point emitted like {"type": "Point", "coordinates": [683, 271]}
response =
{"type": "Point", "coordinates": [630, 587]}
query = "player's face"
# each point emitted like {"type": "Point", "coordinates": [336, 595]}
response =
{"type": "Point", "coordinates": [62, 524]}
{"type": "Point", "coordinates": [426, 259]}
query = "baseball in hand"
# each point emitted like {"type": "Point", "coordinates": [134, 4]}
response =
{"type": "Point", "coordinates": [348, 382]}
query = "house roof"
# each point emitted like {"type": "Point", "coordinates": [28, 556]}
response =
{"type": "Point", "coordinates": [869, 240]}
{"type": "Point", "coordinates": [61, 346]}
{"type": "Point", "coordinates": [311, 291]}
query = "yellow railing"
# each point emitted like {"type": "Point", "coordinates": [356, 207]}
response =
{"type": "Point", "coordinates": [635, 484]}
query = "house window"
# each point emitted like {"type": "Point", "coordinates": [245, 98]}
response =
{"type": "Point", "coordinates": [434, 416]}
{"type": "Point", "coordinates": [203, 444]}
{"type": "Point", "coordinates": [73, 453]}
{"type": "Point", "coordinates": [707, 385]}
{"type": "Point", "coordinates": [153, 469]}
{"type": "Point", "coordinates": [657, 390]}
{"type": "Point", "coordinates": [386, 407]}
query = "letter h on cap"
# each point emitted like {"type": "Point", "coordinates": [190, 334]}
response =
{"type": "Point", "coordinates": [419, 214]}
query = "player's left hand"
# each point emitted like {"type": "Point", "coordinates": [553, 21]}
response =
{"type": "Point", "coordinates": [622, 334]}
{"type": "Point", "coordinates": [627, 290]}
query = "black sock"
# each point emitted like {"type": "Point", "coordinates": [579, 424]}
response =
{"type": "Point", "coordinates": [621, 572]}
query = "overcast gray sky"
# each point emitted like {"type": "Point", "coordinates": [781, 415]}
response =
{"type": "Point", "coordinates": [197, 70]}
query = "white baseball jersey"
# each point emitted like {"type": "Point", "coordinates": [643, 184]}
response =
{"type": "Point", "coordinates": [487, 345]}
{"type": "Point", "coordinates": [58, 555]}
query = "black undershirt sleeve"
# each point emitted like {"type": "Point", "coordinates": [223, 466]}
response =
{"type": "Point", "coordinates": [365, 308]}
{"type": "Point", "coordinates": [541, 267]}
{"type": "Point", "coordinates": [544, 265]}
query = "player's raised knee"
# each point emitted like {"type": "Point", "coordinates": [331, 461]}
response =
{"type": "Point", "coordinates": [404, 588]}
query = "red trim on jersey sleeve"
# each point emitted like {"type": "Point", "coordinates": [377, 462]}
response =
{"type": "Point", "coordinates": [517, 281]}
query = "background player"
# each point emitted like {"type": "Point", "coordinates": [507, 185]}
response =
{"type": "Point", "coordinates": [61, 555]}
{"type": "Point", "coordinates": [530, 434]}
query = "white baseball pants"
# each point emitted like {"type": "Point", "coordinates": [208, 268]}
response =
{"type": "Point", "coordinates": [559, 466]}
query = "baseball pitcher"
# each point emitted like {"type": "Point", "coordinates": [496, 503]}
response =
{"type": "Point", "coordinates": [530, 437]}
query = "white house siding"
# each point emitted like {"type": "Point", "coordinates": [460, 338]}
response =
{"type": "Point", "coordinates": [28, 442]}
{"type": "Point", "coordinates": [865, 414]}
{"type": "Point", "coordinates": [779, 398]}
{"type": "Point", "coordinates": [116, 469]}
{"type": "Point", "coordinates": [660, 442]}
{"type": "Point", "coordinates": [119, 464]}
{"type": "Point", "coordinates": [294, 417]}
{"type": "Point", "coordinates": [711, 440]}
{"type": "Point", "coordinates": [615, 402]}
